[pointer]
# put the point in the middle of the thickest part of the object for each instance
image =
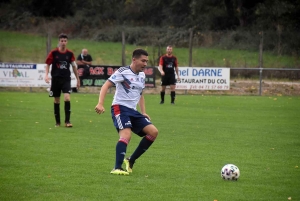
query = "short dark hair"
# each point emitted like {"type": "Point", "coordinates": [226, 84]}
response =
{"type": "Point", "coordinates": [139, 52]}
{"type": "Point", "coordinates": [62, 35]}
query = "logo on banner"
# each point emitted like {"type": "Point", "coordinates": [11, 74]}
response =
{"type": "Point", "coordinates": [15, 73]}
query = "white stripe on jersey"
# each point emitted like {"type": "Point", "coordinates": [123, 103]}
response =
{"type": "Point", "coordinates": [129, 87]}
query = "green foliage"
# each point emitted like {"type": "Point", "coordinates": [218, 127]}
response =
{"type": "Point", "coordinates": [197, 136]}
{"type": "Point", "coordinates": [237, 23]}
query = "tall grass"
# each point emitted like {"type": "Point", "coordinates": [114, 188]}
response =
{"type": "Point", "coordinates": [197, 136]}
{"type": "Point", "coordinates": [20, 47]}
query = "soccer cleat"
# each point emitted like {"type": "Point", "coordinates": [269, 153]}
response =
{"type": "Point", "coordinates": [68, 124]}
{"type": "Point", "coordinates": [57, 125]}
{"type": "Point", "coordinates": [119, 172]}
{"type": "Point", "coordinates": [162, 102]}
{"type": "Point", "coordinates": [128, 165]}
{"type": "Point", "coordinates": [172, 103]}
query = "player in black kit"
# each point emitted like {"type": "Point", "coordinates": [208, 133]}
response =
{"type": "Point", "coordinates": [168, 65]}
{"type": "Point", "coordinates": [60, 60]}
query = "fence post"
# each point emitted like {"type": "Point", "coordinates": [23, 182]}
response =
{"type": "Point", "coordinates": [48, 44]}
{"type": "Point", "coordinates": [191, 48]}
{"type": "Point", "coordinates": [123, 49]}
{"type": "Point", "coordinates": [261, 59]}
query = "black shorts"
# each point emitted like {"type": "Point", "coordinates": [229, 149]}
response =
{"type": "Point", "coordinates": [168, 79]}
{"type": "Point", "coordinates": [58, 85]}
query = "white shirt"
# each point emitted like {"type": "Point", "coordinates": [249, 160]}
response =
{"type": "Point", "coordinates": [129, 87]}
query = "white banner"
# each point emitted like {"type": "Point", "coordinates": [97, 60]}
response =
{"type": "Point", "coordinates": [210, 78]}
{"type": "Point", "coordinates": [26, 75]}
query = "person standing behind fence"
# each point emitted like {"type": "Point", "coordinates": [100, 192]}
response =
{"type": "Point", "coordinates": [168, 65]}
{"type": "Point", "coordinates": [60, 59]}
{"type": "Point", "coordinates": [84, 58]}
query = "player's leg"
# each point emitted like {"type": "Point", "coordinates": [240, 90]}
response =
{"type": "Point", "coordinates": [172, 88]}
{"type": "Point", "coordinates": [121, 147]}
{"type": "Point", "coordinates": [173, 94]}
{"type": "Point", "coordinates": [149, 133]}
{"type": "Point", "coordinates": [163, 89]}
{"type": "Point", "coordinates": [123, 125]}
{"type": "Point", "coordinates": [162, 94]}
{"type": "Point", "coordinates": [67, 90]}
{"type": "Point", "coordinates": [57, 111]}
{"type": "Point", "coordinates": [55, 92]}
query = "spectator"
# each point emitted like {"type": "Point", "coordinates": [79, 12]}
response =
{"type": "Point", "coordinates": [84, 58]}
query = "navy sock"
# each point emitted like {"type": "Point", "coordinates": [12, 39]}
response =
{"type": "Point", "coordinates": [142, 147]}
{"type": "Point", "coordinates": [57, 112]}
{"type": "Point", "coordinates": [67, 111]}
{"type": "Point", "coordinates": [120, 153]}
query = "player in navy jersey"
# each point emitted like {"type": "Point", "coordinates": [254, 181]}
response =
{"type": "Point", "coordinates": [60, 60]}
{"type": "Point", "coordinates": [129, 82]}
{"type": "Point", "coordinates": [168, 65]}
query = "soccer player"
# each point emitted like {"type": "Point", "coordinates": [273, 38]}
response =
{"type": "Point", "coordinates": [129, 82]}
{"type": "Point", "coordinates": [60, 60]}
{"type": "Point", "coordinates": [168, 65]}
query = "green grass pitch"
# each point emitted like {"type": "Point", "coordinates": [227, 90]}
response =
{"type": "Point", "coordinates": [197, 136]}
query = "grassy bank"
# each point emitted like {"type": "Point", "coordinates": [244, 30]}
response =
{"type": "Point", "coordinates": [20, 47]}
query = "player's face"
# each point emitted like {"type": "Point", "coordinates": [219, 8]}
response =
{"type": "Point", "coordinates": [169, 50]}
{"type": "Point", "coordinates": [141, 63]}
{"type": "Point", "coordinates": [63, 42]}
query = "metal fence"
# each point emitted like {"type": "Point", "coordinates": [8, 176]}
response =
{"type": "Point", "coordinates": [275, 74]}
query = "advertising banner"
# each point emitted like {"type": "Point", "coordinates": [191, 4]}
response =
{"type": "Point", "coordinates": [25, 75]}
{"type": "Point", "coordinates": [210, 78]}
{"type": "Point", "coordinates": [96, 75]}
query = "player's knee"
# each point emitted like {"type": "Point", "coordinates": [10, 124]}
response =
{"type": "Point", "coordinates": [152, 135]}
{"type": "Point", "coordinates": [56, 100]}
{"type": "Point", "coordinates": [154, 132]}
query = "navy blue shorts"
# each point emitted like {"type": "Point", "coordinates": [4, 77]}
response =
{"type": "Point", "coordinates": [124, 117]}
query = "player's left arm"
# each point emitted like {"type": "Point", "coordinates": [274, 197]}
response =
{"type": "Point", "coordinates": [143, 107]}
{"type": "Point", "coordinates": [176, 69]}
{"type": "Point", "coordinates": [74, 66]}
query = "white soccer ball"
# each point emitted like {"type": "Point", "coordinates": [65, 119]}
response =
{"type": "Point", "coordinates": [230, 172]}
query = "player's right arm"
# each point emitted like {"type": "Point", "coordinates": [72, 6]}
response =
{"type": "Point", "coordinates": [47, 67]}
{"type": "Point", "coordinates": [99, 107]}
{"type": "Point", "coordinates": [48, 62]}
{"type": "Point", "coordinates": [160, 66]}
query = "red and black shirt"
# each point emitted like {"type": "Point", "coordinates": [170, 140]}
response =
{"type": "Point", "coordinates": [168, 63]}
{"type": "Point", "coordinates": [60, 62]}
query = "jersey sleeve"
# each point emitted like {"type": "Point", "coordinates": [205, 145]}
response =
{"type": "Point", "coordinates": [49, 58]}
{"type": "Point", "coordinates": [116, 77]}
{"type": "Point", "coordinates": [176, 62]}
{"type": "Point", "coordinates": [161, 61]}
{"type": "Point", "coordinates": [72, 58]}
